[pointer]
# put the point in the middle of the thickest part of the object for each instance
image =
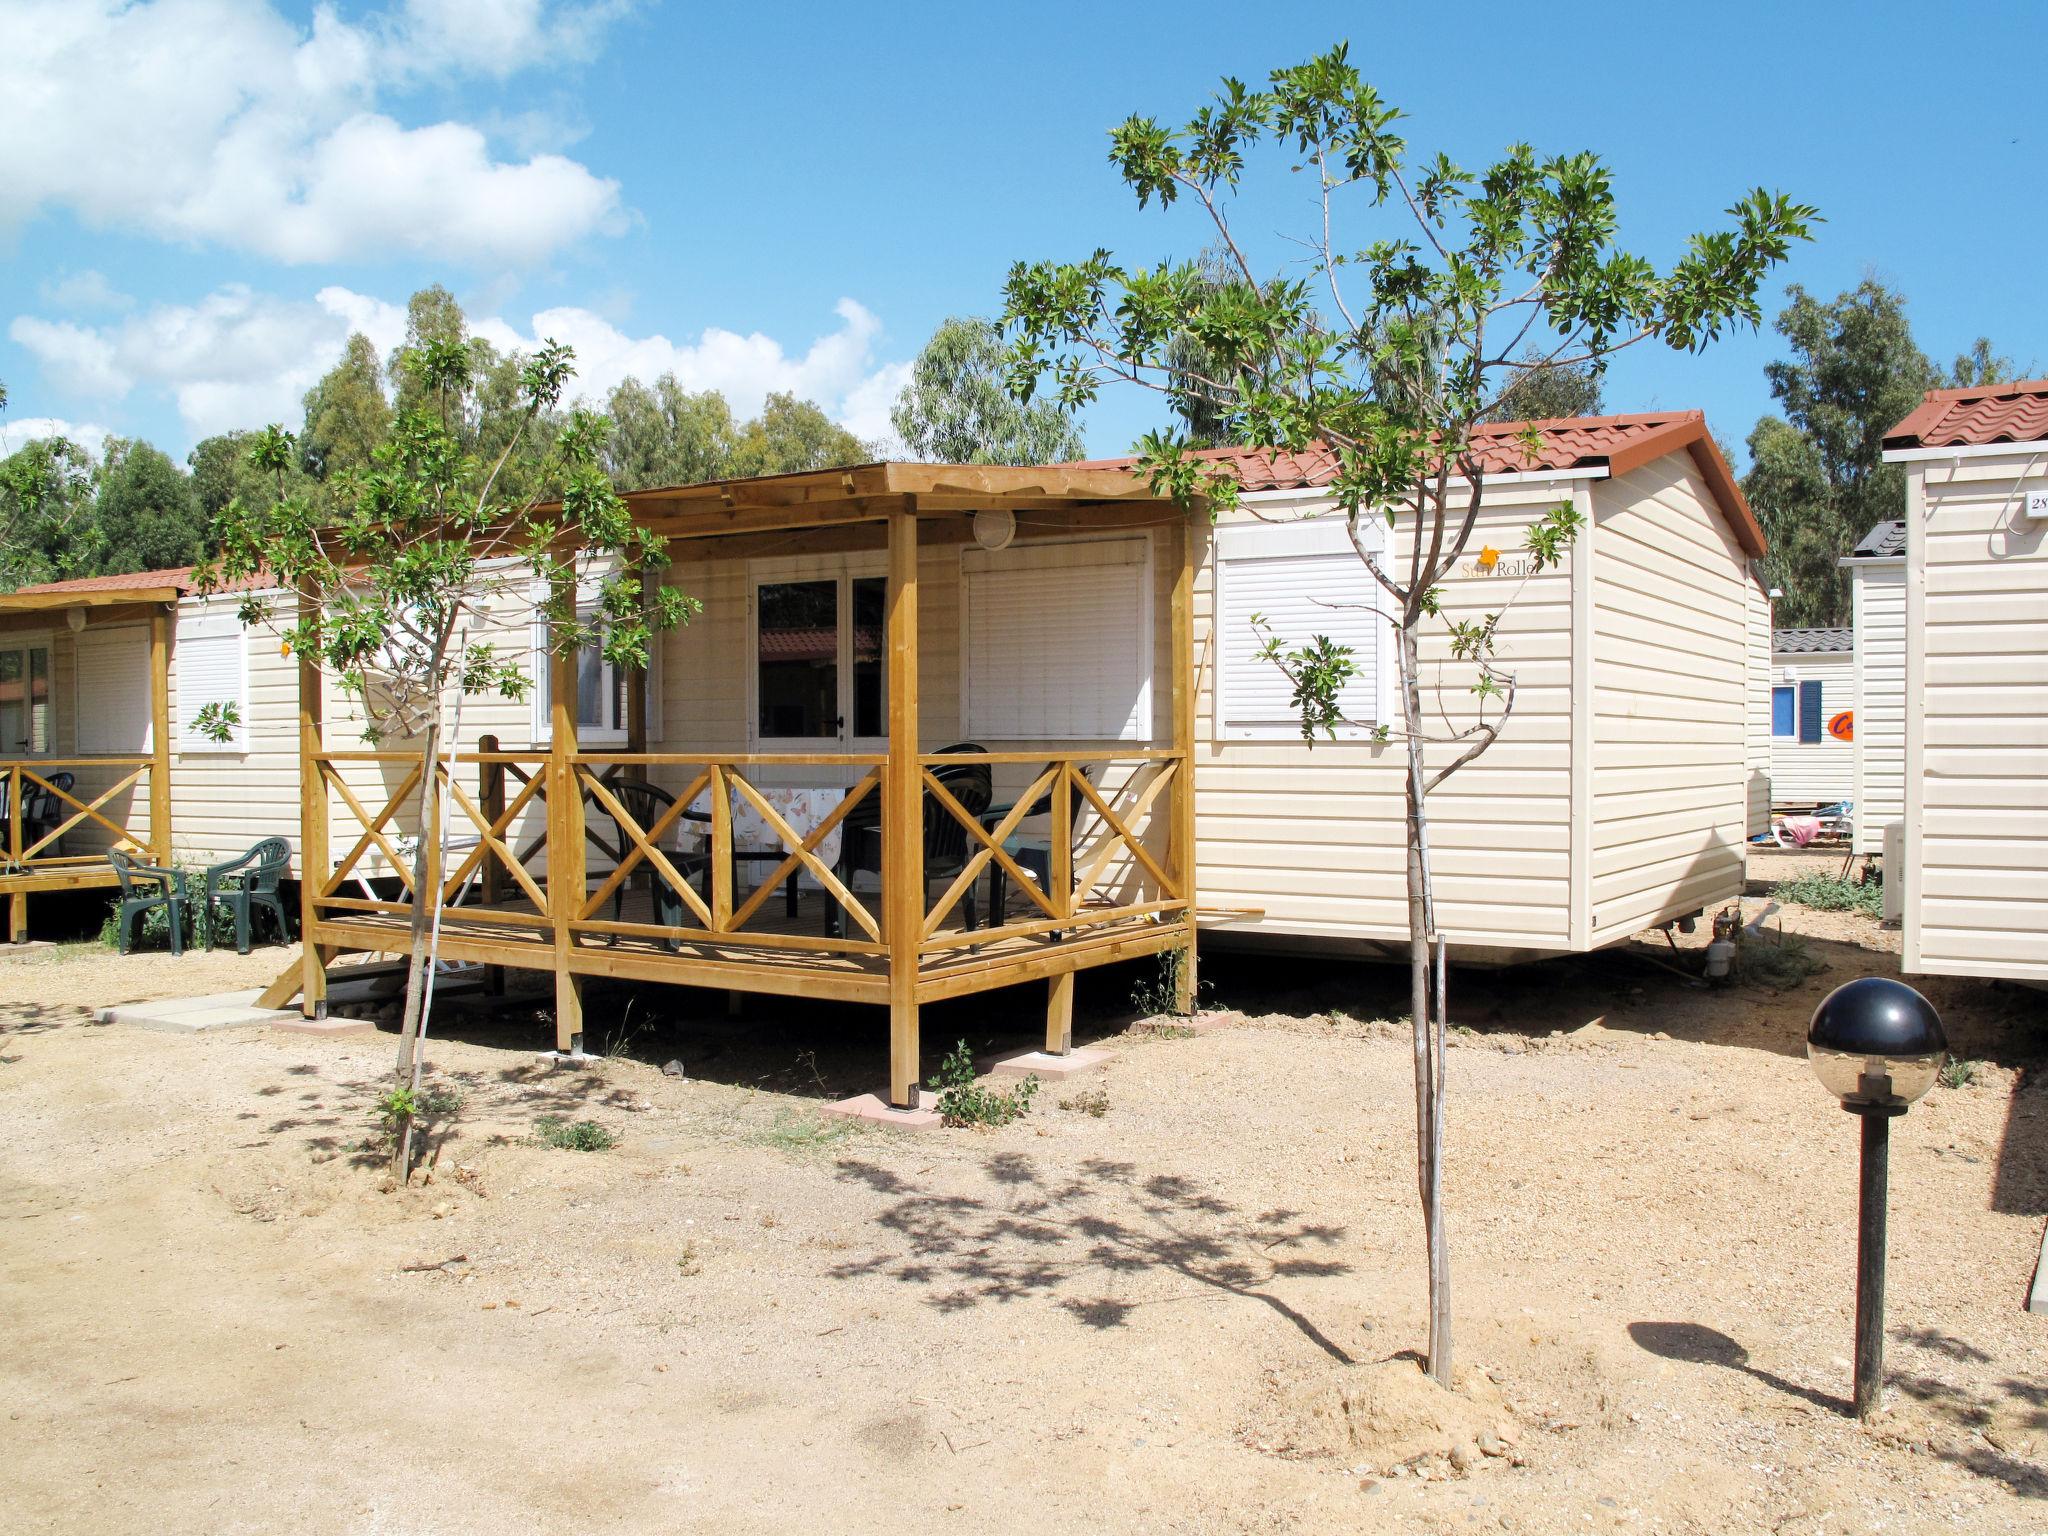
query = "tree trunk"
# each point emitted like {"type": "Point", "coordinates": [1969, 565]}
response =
{"type": "Point", "coordinates": [425, 891]}
{"type": "Point", "coordinates": [1426, 1013]}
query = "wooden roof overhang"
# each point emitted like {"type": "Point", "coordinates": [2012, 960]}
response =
{"type": "Point", "coordinates": [109, 597]}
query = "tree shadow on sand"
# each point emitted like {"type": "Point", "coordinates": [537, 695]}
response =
{"type": "Point", "coordinates": [1069, 1239]}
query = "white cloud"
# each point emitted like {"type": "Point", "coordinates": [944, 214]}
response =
{"type": "Point", "coordinates": [89, 435]}
{"type": "Point", "coordinates": [221, 122]}
{"type": "Point", "coordinates": [866, 410]}
{"type": "Point", "coordinates": [87, 290]}
{"type": "Point", "coordinates": [239, 358]}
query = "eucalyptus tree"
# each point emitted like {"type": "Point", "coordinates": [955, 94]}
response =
{"type": "Point", "coordinates": [957, 407]}
{"type": "Point", "coordinates": [427, 547]}
{"type": "Point", "coordinates": [1388, 347]}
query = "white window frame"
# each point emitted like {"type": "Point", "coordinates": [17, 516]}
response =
{"type": "Point", "coordinates": [203, 624]}
{"type": "Point", "coordinates": [845, 569]}
{"type": "Point", "coordinates": [1315, 536]}
{"type": "Point", "coordinates": [26, 641]}
{"type": "Point", "coordinates": [1143, 725]}
{"type": "Point", "coordinates": [539, 656]}
{"type": "Point", "coordinates": [111, 634]}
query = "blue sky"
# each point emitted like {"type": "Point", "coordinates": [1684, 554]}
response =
{"type": "Point", "coordinates": [202, 197]}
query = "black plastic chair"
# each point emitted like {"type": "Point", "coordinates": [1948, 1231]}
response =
{"type": "Point", "coordinates": [41, 811]}
{"type": "Point", "coordinates": [138, 899]}
{"type": "Point", "coordinates": [945, 839]}
{"type": "Point", "coordinates": [1033, 856]}
{"type": "Point", "coordinates": [646, 804]}
{"type": "Point", "coordinates": [245, 884]}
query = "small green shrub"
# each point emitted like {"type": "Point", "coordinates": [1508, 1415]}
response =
{"type": "Point", "coordinates": [1957, 1072]}
{"type": "Point", "coordinates": [1159, 993]}
{"type": "Point", "coordinates": [1779, 961]}
{"type": "Point", "coordinates": [1826, 893]}
{"type": "Point", "coordinates": [963, 1101]}
{"type": "Point", "coordinates": [425, 1108]}
{"type": "Point", "coordinates": [154, 931]}
{"type": "Point", "coordinates": [797, 1132]}
{"type": "Point", "coordinates": [573, 1135]}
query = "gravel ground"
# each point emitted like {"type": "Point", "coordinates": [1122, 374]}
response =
{"type": "Point", "coordinates": [1177, 1297]}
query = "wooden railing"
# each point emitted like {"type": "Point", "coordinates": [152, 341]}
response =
{"type": "Point", "coordinates": [1092, 830]}
{"type": "Point", "coordinates": [26, 847]}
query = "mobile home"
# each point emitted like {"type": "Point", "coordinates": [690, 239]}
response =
{"type": "Point", "coordinates": [1877, 586]}
{"type": "Point", "coordinates": [1975, 900]}
{"type": "Point", "coordinates": [1813, 689]}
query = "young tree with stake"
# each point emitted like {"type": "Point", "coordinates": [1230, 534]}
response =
{"type": "Point", "coordinates": [1388, 353]}
{"type": "Point", "coordinates": [424, 549]}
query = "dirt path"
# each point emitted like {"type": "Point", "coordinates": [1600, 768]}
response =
{"type": "Point", "coordinates": [744, 1319]}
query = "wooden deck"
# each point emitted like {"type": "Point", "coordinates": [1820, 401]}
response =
{"type": "Point", "coordinates": [777, 954]}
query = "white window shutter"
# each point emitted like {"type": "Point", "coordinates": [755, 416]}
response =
{"type": "Point", "coordinates": [211, 661]}
{"type": "Point", "coordinates": [1058, 640]}
{"type": "Point", "coordinates": [112, 684]}
{"type": "Point", "coordinates": [1293, 576]}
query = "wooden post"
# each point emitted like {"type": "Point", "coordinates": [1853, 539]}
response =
{"type": "Point", "coordinates": [17, 902]}
{"type": "Point", "coordinates": [636, 699]}
{"type": "Point", "coordinates": [565, 828]}
{"type": "Point", "coordinates": [1059, 1015]}
{"type": "Point", "coordinates": [1182, 861]}
{"type": "Point", "coordinates": [314, 859]}
{"type": "Point", "coordinates": [903, 812]}
{"type": "Point", "coordinates": [490, 794]}
{"type": "Point", "coordinates": [160, 735]}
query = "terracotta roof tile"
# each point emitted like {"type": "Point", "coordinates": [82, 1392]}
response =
{"type": "Point", "coordinates": [1978, 417]}
{"type": "Point", "coordinates": [179, 576]}
{"type": "Point", "coordinates": [1616, 443]}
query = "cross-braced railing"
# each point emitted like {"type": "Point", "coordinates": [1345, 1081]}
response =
{"type": "Point", "coordinates": [28, 846]}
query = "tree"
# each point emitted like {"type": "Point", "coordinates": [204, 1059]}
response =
{"type": "Point", "coordinates": [1402, 351]}
{"type": "Point", "coordinates": [431, 314]}
{"type": "Point", "coordinates": [346, 416]}
{"type": "Point", "coordinates": [428, 544]}
{"type": "Point", "coordinates": [1186, 358]}
{"type": "Point", "coordinates": [1818, 480]}
{"type": "Point", "coordinates": [664, 435]}
{"type": "Point", "coordinates": [790, 435]}
{"type": "Point", "coordinates": [47, 530]}
{"type": "Point", "coordinates": [148, 518]}
{"type": "Point", "coordinates": [1537, 393]}
{"type": "Point", "coordinates": [957, 408]}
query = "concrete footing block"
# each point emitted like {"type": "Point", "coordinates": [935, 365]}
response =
{"type": "Point", "coordinates": [197, 1015]}
{"type": "Point", "coordinates": [577, 1059]}
{"type": "Point", "coordinates": [876, 1110]}
{"type": "Point", "coordinates": [329, 1024]}
{"type": "Point", "coordinates": [1053, 1068]}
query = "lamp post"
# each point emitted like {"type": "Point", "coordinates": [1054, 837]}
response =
{"type": "Point", "coordinates": [1877, 1045]}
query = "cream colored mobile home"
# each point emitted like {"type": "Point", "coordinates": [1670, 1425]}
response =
{"type": "Point", "coordinates": [1813, 691]}
{"type": "Point", "coordinates": [1976, 681]}
{"type": "Point", "coordinates": [1877, 586]}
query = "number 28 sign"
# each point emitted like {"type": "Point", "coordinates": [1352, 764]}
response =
{"type": "Point", "coordinates": [1843, 726]}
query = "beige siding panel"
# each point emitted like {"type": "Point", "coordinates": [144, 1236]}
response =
{"type": "Point", "coordinates": [1757, 705]}
{"type": "Point", "coordinates": [1672, 718]}
{"type": "Point", "coordinates": [1880, 670]}
{"type": "Point", "coordinates": [1976, 769]}
{"type": "Point", "coordinates": [1313, 837]}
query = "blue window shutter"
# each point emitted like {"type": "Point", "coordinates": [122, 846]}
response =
{"type": "Point", "coordinates": [1809, 711]}
{"type": "Point", "coordinates": [1781, 711]}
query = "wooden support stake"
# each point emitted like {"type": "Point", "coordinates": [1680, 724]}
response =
{"type": "Point", "coordinates": [565, 828]}
{"type": "Point", "coordinates": [314, 856]}
{"type": "Point", "coordinates": [160, 735]}
{"type": "Point", "coordinates": [1059, 1015]}
{"type": "Point", "coordinates": [1181, 845]}
{"type": "Point", "coordinates": [17, 903]}
{"type": "Point", "coordinates": [903, 813]}
{"type": "Point", "coordinates": [490, 788]}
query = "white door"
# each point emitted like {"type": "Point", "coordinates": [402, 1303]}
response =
{"type": "Point", "coordinates": [25, 723]}
{"type": "Point", "coordinates": [817, 683]}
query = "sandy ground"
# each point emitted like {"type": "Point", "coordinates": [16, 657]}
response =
{"type": "Point", "coordinates": [747, 1319]}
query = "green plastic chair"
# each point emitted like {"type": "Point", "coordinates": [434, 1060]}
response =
{"type": "Point", "coordinates": [255, 876]}
{"type": "Point", "coordinates": [145, 888]}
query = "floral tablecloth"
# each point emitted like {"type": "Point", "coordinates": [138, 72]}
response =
{"type": "Point", "coordinates": [803, 809]}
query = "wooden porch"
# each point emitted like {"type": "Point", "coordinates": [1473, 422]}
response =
{"type": "Point", "coordinates": [590, 863]}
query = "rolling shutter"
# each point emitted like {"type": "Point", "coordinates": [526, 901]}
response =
{"type": "Point", "coordinates": [1290, 576]}
{"type": "Point", "coordinates": [1810, 710]}
{"type": "Point", "coordinates": [1058, 641]}
{"type": "Point", "coordinates": [112, 682]}
{"type": "Point", "coordinates": [211, 669]}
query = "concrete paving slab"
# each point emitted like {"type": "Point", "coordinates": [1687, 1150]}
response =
{"type": "Point", "coordinates": [876, 1110]}
{"type": "Point", "coordinates": [1053, 1068]}
{"type": "Point", "coordinates": [196, 1015]}
{"type": "Point", "coordinates": [28, 949]}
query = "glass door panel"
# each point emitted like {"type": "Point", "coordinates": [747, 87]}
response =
{"type": "Point", "coordinates": [24, 700]}
{"type": "Point", "coordinates": [797, 661]}
{"type": "Point", "coordinates": [870, 609]}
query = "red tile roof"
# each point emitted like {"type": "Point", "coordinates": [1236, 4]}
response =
{"type": "Point", "coordinates": [1617, 444]}
{"type": "Point", "coordinates": [1977, 417]}
{"type": "Point", "coordinates": [179, 576]}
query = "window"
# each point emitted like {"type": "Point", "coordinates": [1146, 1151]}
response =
{"type": "Point", "coordinates": [819, 642]}
{"type": "Point", "coordinates": [1781, 711]}
{"type": "Point", "coordinates": [1057, 641]}
{"type": "Point", "coordinates": [1810, 711]}
{"type": "Point", "coordinates": [1291, 575]}
{"type": "Point", "coordinates": [212, 668]}
{"type": "Point", "coordinates": [25, 699]}
{"type": "Point", "coordinates": [112, 686]}
{"type": "Point", "coordinates": [601, 703]}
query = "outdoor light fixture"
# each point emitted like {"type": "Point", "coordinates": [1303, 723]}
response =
{"type": "Point", "coordinates": [994, 527]}
{"type": "Point", "coordinates": [74, 619]}
{"type": "Point", "coordinates": [1876, 1045]}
